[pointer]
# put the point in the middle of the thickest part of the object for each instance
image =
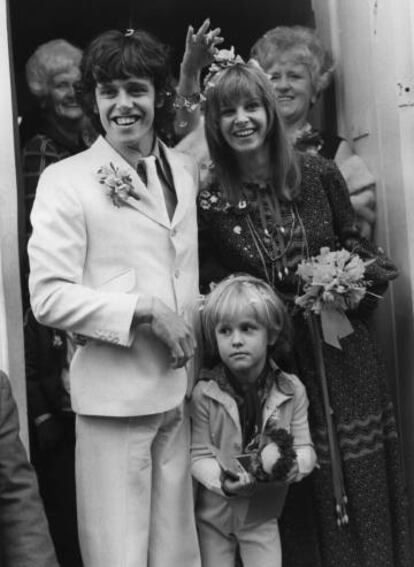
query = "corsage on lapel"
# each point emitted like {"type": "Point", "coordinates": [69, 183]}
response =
{"type": "Point", "coordinates": [118, 183]}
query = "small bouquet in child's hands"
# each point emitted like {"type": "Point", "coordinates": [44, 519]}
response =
{"type": "Point", "coordinates": [333, 283]}
{"type": "Point", "coordinates": [273, 460]}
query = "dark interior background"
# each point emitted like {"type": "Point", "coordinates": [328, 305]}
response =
{"type": "Point", "coordinates": [242, 21]}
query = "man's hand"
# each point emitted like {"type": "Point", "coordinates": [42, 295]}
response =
{"type": "Point", "coordinates": [170, 328]}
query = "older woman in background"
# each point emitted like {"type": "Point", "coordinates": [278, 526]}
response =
{"type": "Point", "coordinates": [300, 69]}
{"type": "Point", "coordinates": [51, 73]}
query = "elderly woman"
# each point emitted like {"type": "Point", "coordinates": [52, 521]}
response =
{"type": "Point", "coordinates": [51, 73]}
{"type": "Point", "coordinates": [300, 69]}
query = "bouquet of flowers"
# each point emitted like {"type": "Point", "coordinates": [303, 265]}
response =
{"type": "Point", "coordinates": [333, 282]}
{"type": "Point", "coordinates": [274, 459]}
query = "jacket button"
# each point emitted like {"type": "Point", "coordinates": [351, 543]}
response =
{"type": "Point", "coordinates": [173, 232]}
{"type": "Point", "coordinates": [177, 274]}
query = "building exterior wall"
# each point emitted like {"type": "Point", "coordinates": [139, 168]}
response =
{"type": "Point", "coordinates": [373, 43]}
{"type": "Point", "coordinates": [11, 326]}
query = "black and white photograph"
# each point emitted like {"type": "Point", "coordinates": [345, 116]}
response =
{"type": "Point", "coordinates": [206, 283]}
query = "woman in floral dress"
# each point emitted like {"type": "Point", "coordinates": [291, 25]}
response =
{"type": "Point", "coordinates": [263, 210]}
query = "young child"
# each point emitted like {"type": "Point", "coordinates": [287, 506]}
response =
{"type": "Point", "coordinates": [114, 258]}
{"type": "Point", "coordinates": [235, 407]}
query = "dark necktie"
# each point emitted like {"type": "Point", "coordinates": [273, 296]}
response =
{"type": "Point", "coordinates": [142, 172]}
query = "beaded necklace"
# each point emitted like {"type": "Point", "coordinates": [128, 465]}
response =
{"type": "Point", "coordinates": [272, 248]}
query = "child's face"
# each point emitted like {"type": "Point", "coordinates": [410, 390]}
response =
{"type": "Point", "coordinates": [242, 344]}
{"type": "Point", "coordinates": [126, 110]}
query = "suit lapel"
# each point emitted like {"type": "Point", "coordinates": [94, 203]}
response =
{"type": "Point", "coordinates": [147, 204]}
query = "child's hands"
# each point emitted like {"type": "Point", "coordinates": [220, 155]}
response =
{"type": "Point", "coordinates": [292, 475]}
{"type": "Point", "coordinates": [242, 486]}
{"type": "Point", "coordinates": [200, 48]}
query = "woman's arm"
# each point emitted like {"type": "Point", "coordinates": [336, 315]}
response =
{"type": "Point", "coordinates": [38, 153]}
{"type": "Point", "coordinates": [361, 187]}
{"type": "Point", "coordinates": [381, 270]}
{"type": "Point", "coordinates": [200, 48]}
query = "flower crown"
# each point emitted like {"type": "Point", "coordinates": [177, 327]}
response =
{"type": "Point", "coordinates": [223, 59]}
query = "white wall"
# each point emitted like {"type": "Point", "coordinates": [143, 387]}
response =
{"type": "Point", "coordinates": [373, 43]}
{"type": "Point", "coordinates": [11, 327]}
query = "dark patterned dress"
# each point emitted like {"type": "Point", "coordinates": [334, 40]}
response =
{"type": "Point", "coordinates": [236, 238]}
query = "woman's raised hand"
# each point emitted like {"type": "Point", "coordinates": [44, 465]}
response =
{"type": "Point", "coordinates": [200, 48]}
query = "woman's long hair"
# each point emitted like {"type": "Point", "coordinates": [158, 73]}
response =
{"type": "Point", "coordinates": [247, 80]}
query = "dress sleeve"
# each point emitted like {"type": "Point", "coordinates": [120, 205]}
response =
{"type": "Point", "coordinates": [380, 271]}
{"type": "Point", "coordinates": [37, 402]}
{"type": "Point", "coordinates": [38, 153]}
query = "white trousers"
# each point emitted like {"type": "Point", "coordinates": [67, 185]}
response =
{"type": "Point", "coordinates": [134, 491]}
{"type": "Point", "coordinates": [221, 528]}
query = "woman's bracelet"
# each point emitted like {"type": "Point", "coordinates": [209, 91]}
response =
{"type": "Point", "coordinates": [190, 103]}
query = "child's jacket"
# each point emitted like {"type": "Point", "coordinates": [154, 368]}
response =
{"type": "Point", "coordinates": [216, 424]}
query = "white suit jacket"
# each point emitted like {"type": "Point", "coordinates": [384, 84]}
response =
{"type": "Point", "coordinates": [92, 261]}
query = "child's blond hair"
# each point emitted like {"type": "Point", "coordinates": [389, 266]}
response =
{"type": "Point", "coordinates": [239, 293]}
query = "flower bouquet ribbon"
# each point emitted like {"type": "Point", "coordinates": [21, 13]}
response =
{"type": "Point", "coordinates": [333, 282]}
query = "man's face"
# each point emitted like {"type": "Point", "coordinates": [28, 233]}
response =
{"type": "Point", "coordinates": [62, 99]}
{"type": "Point", "coordinates": [126, 110]}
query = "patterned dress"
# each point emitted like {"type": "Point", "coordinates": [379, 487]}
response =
{"type": "Point", "coordinates": [236, 238]}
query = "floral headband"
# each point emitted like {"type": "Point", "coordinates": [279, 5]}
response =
{"type": "Point", "coordinates": [223, 59]}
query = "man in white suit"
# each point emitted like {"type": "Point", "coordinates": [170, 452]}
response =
{"type": "Point", "coordinates": [114, 258]}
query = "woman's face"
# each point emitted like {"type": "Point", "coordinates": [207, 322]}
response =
{"type": "Point", "coordinates": [293, 86]}
{"type": "Point", "coordinates": [244, 124]}
{"type": "Point", "coordinates": [62, 99]}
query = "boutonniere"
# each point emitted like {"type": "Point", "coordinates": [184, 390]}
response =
{"type": "Point", "coordinates": [119, 184]}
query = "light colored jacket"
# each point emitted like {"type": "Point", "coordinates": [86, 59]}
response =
{"type": "Point", "coordinates": [24, 532]}
{"type": "Point", "coordinates": [91, 262]}
{"type": "Point", "coordinates": [216, 426]}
